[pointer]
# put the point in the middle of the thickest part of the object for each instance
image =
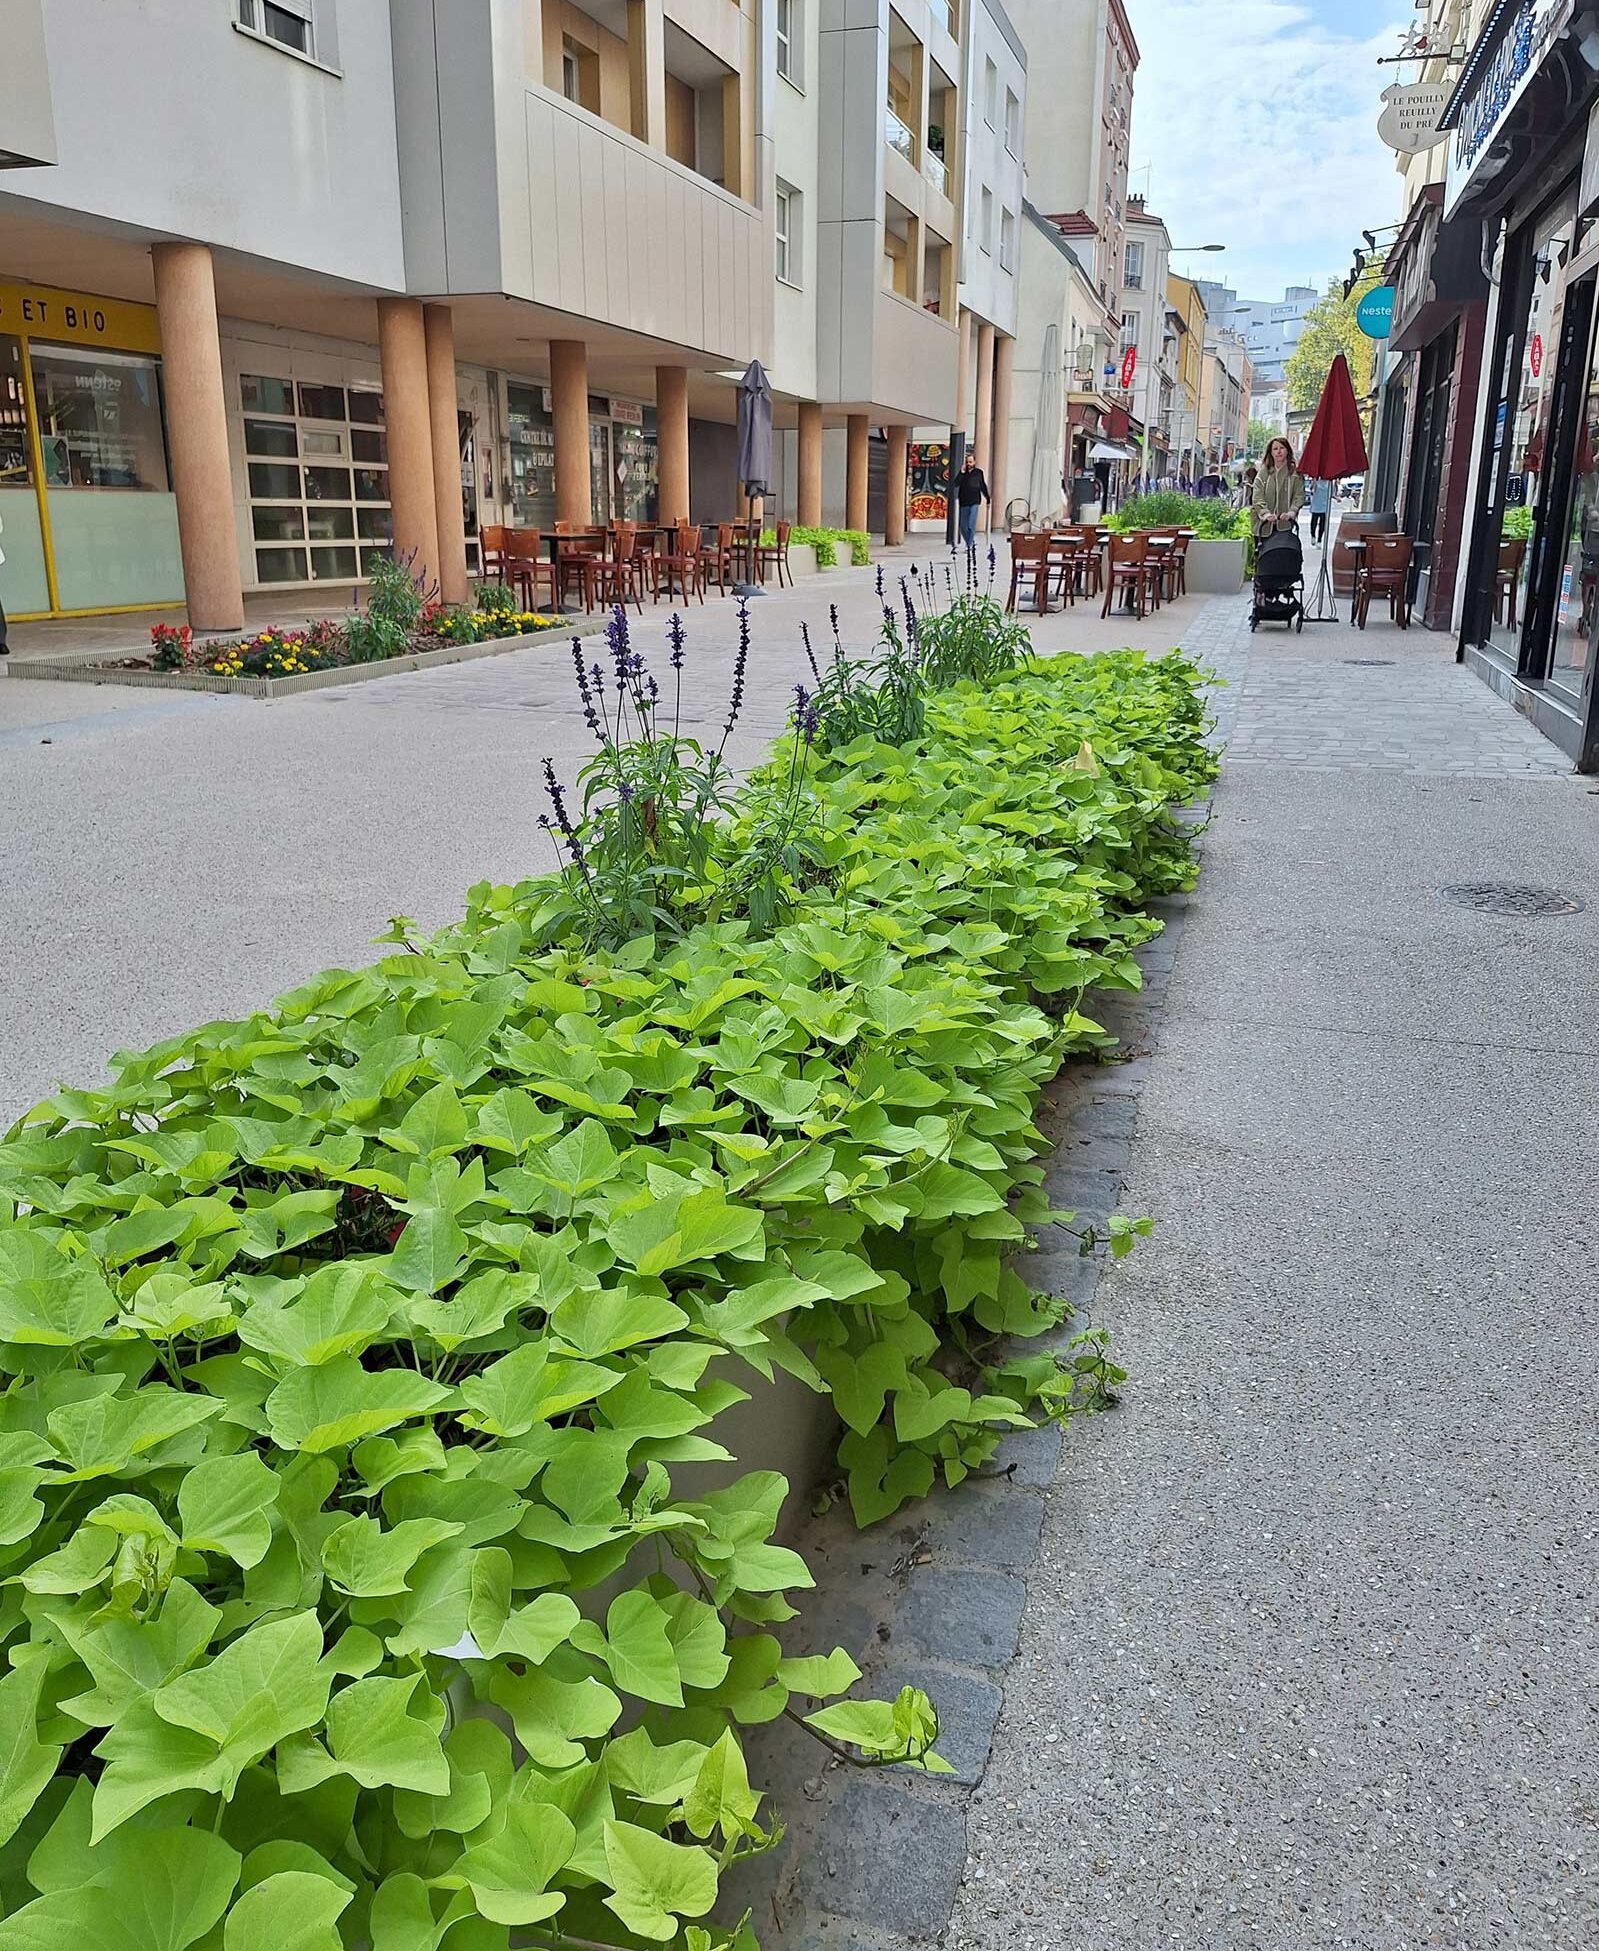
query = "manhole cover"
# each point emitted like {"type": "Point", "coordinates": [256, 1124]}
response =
{"type": "Point", "coordinates": [1371, 663]}
{"type": "Point", "coordinates": [1505, 898]}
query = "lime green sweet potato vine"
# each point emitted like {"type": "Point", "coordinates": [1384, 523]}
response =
{"type": "Point", "coordinates": [373, 1573]}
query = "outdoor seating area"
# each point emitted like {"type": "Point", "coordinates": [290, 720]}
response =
{"type": "Point", "coordinates": [572, 567]}
{"type": "Point", "coordinates": [1137, 570]}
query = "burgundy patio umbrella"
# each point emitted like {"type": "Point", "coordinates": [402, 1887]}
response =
{"type": "Point", "coordinates": [1334, 447]}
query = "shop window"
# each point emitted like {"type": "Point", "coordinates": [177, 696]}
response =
{"type": "Point", "coordinates": [315, 459]}
{"type": "Point", "coordinates": [16, 459]}
{"type": "Point", "coordinates": [99, 419]}
{"type": "Point", "coordinates": [531, 431]}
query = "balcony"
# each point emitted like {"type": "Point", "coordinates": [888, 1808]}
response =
{"type": "Point", "coordinates": [898, 136]}
{"type": "Point", "coordinates": [936, 172]}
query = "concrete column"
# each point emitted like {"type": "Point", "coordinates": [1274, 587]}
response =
{"type": "Point", "coordinates": [569, 395]}
{"type": "Point", "coordinates": [439, 334]}
{"type": "Point", "coordinates": [855, 476]}
{"type": "Point", "coordinates": [646, 67]}
{"type": "Point", "coordinates": [533, 41]}
{"type": "Point", "coordinates": [197, 433]}
{"type": "Point", "coordinates": [963, 377]}
{"type": "Point", "coordinates": [899, 441]}
{"type": "Point", "coordinates": [983, 430]}
{"type": "Point", "coordinates": [809, 500]}
{"type": "Point", "coordinates": [733, 134]}
{"type": "Point", "coordinates": [671, 425]}
{"type": "Point", "coordinates": [408, 427]}
{"type": "Point", "coordinates": [1004, 365]}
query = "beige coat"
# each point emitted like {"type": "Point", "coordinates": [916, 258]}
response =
{"type": "Point", "coordinates": [1278, 492]}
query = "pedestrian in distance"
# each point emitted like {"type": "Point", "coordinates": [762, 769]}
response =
{"type": "Point", "coordinates": [971, 491]}
{"type": "Point", "coordinates": [1244, 493]}
{"type": "Point", "coordinates": [1320, 509]}
{"type": "Point", "coordinates": [1279, 492]}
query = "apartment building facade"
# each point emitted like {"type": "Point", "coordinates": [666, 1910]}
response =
{"type": "Point", "coordinates": [1083, 61]}
{"type": "Point", "coordinates": [1269, 327]}
{"type": "Point", "coordinates": [1224, 394]}
{"type": "Point", "coordinates": [1148, 334]}
{"type": "Point", "coordinates": [473, 261]}
{"type": "Point", "coordinates": [1186, 312]}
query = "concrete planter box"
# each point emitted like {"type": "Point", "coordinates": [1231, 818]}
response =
{"type": "Point", "coordinates": [1215, 568]}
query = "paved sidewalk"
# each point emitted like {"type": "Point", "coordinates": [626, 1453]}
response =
{"type": "Point", "coordinates": [1308, 1658]}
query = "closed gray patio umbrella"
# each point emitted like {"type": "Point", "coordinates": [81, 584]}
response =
{"type": "Point", "coordinates": [754, 457]}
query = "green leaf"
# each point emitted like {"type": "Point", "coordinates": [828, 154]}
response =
{"type": "Point", "coordinates": [721, 1798]}
{"type": "Point", "coordinates": [510, 1873]}
{"type": "Point", "coordinates": [47, 1300]}
{"type": "Point", "coordinates": [327, 1408]}
{"type": "Point", "coordinates": [204, 1728]}
{"type": "Point", "coordinates": [402, 1917]}
{"type": "Point", "coordinates": [669, 1233]}
{"type": "Point", "coordinates": [106, 1435]}
{"type": "Point", "coordinates": [477, 1308]}
{"type": "Point", "coordinates": [661, 1775]}
{"type": "Point", "coordinates": [374, 1737]}
{"type": "Point", "coordinates": [821, 1678]}
{"type": "Point", "coordinates": [637, 1648]}
{"type": "Point", "coordinates": [367, 1562]}
{"type": "Point", "coordinates": [223, 1504]}
{"type": "Point", "coordinates": [614, 1318]}
{"type": "Point", "coordinates": [528, 1387]}
{"type": "Point", "coordinates": [430, 1253]}
{"type": "Point", "coordinates": [655, 1882]}
{"type": "Point", "coordinates": [26, 1762]}
{"type": "Point", "coordinates": [292, 1911]}
{"type": "Point", "coordinates": [341, 1310]}
{"type": "Point", "coordinates": [154, 1890]}
{"type": "Point", "coordinates": [129, 1657]}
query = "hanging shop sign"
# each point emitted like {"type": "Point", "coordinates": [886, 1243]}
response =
{"type": "Point", "coordinates": [1535, 355]}
{"type": "Point", "coordinates": [1411, 114]}
{"type": "Point", "coordinates": [627, 413]}
{"type": "Point", "coordinates": [1477, 115]}
{"type": "Point", "coordinates": [1129, 366]}
{"type": "Point", "coordinates": [1375, 312]}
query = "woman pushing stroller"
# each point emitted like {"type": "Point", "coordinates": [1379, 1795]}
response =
{"type": "Point", "coordinates": [1279, 492]}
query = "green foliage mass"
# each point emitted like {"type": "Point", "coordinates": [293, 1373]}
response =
{"type": "Point", "coordinates": [1330, 328]}
{"type": "Point", "coordinates": [374, 1574]}
{"type": "Point", "coordinates": [1211, 518]}
{"type": "Point", "coordinates": [826, 542]}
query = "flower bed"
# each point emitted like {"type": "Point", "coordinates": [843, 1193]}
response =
{"type": "Point", "coordinates": [356, 1351]}
{"type": "Point", "coordinates": [329, 645]}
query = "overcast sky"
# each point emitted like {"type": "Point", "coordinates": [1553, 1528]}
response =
{"type": "Point", "coordinates": [1256, 121]}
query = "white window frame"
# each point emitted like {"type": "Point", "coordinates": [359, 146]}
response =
{"type": "Point", "coordinates": [788, 22]}
{"type": "Point", "coordinates": [1007, 240]}
{"type": "Point", "coordinates": [986, 233]}
{"type": "Point", "coordinates": [321, 30]}
{"type": "Point", "coordinates": [1133, 275]}
{"type": "Point", "coordinates": [1013, 123]}
{"type": "Point", "coordinates": [788, 208]}
{"type": "Point", "coordinates": [990, 90]}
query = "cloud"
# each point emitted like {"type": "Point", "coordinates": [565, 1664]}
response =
{"type": "Point", "coordinates": [1257, 122]}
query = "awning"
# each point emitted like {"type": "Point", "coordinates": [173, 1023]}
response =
{"type": "Point", "coordinates": [1107, 450]}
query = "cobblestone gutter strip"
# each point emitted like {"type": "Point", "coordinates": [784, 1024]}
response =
{"type": "Point", "coordinates": [934, 1598]}
{"type": "Point", "coordinates": [93, 669]}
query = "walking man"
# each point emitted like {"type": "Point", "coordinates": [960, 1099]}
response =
{"type": "Point", "coordinates": [971, 491]}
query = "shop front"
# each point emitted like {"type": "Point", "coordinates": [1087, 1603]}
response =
{"type": "Point", "coordinates": [624, 472]}
{"type": "Point", "coordinates": [1525, 162]}
{"type": "Point", "coordinates": [91, 522]}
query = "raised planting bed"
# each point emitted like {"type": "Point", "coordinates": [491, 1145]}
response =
{"type": "Point", "coordinates": [278, 663]}
{"type": "Point", "coordinates": [356, 1354]}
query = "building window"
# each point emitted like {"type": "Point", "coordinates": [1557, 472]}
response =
{"type": "Point", "coordinates": [316, 459]}
{"type": "Point", "coordinates": [1013, 123]}
{"type": "Point", "coordinates": [1007, 241]}
{"type": "Point", "coordinates": [985, 236]}
{"type": "Point", "coordinates": [788, 64]}
{"type": "Point", "coordinates": [1129, 330]}
{"type": "Point", "coordinates": [990, 93]}
{"type": "Point", "coordinates": [290, 22]}
{"type": "Point", "coordinates": [99, 419]}
{"type": "Point", "coordinates": [1133, 266]}
{"type": "Point", "coordinates": [788, 234]}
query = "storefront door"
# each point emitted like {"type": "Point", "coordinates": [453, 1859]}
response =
{"type": "Point", "coordinates": [599, 470]}
{"type": "Point", "coordinates": [1427, 454]}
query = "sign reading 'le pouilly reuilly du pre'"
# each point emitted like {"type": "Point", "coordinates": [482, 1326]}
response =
{"type": "Point", "coordinates": [1411, 114]}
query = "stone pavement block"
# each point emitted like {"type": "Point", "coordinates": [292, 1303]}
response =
{"type": "Point", "coordinates": [1061, 1270]}
{"type": "Point", "coordinates": [1090, 1193]}
{"type": "Point", "coordinates": [982, 1524]}
{"type": "Point", "coordinates": [968, 1708]}
{"type": "Point", "coordinates": [890, 1854]}
{"type": "Point", "coordinates": [1106, 1117]}
{"type": "Point", "coordinates": [967, 1617]}
{"type": "Point", "coordinates": [1083, 1151]}
{"type": "Point", "coordinates": [1031, 1456]}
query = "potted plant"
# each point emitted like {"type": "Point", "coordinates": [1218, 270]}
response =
{"type": "Point", "coordinates": [1216, 556]}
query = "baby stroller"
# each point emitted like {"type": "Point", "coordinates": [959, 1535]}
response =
{"type": "Point", "coordinates": [1279, 594]}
